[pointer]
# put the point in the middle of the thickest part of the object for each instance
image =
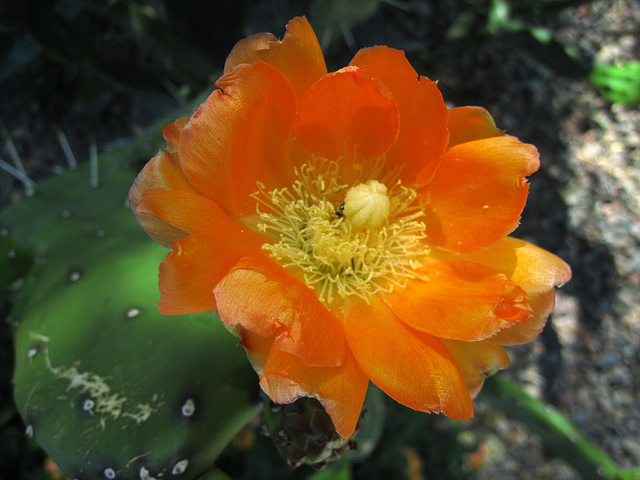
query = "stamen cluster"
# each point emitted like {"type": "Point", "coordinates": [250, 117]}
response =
{"type": "Point", "coordinates": [312, 235]}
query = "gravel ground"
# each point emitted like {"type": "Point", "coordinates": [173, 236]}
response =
{"type": "Point", "coordinates": [584, 206]}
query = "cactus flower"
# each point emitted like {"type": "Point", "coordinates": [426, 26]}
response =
{"type": "Point", "coordinates": [348, 228]}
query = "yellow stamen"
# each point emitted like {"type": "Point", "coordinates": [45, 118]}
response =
{"type": "Point", "coordinates": [375, 245]}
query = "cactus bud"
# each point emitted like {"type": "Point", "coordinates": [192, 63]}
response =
{"type": "Point", "coordinates": [304, 434]}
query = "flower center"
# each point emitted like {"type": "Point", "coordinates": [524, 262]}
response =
{"type": "Point", "coordinates": [344, 240]}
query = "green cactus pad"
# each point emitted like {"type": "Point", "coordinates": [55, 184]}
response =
{"type": "Point", "coordinates": [108, 386]}
{"type": "Point", "coordinates": [15, 260]}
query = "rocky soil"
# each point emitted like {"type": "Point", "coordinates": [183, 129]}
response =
{"type": "Point", "coordinates": [584, 206]}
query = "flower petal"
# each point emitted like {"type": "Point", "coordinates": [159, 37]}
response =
{"type": "Point", "coordinates": [478, 193]}
{"type": "Point", "coordinates": [239, 136]}
{"type": "Point", "coordinates": [196, 214]}
{"type": "Point", "coordinates": [189, 273]}
{"type": "Point", "coordinates": [162, 171]}
{"type": "Point", "coordinates": [477, 361]}
{"type": "Point", "coordinates": [298, 55]}
{"type": "Point", "coordinates": [466, 124]}
{"type": "Point", "coordinates": [261, 296]}
{"type": "Point", "coordinates": [459, 301]}
{"type": "Point", "coordinates": [341, 390]}
{"type": "Point", "coordinates": [256, 346]}
{"type": "Point", "coordinates": [198, 262]}
{"type": "Point", "coordinates": [536, 271]}
{"type": "Point", "coordinates": [347, 114]}
{"type": "Point", "coordinates": [412, 367]}
{"type": "Point", "coordinates": [172, 132]}
{"type": "Point", "coordinates": [423, 134]}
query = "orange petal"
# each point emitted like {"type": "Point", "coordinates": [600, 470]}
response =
{"type": "Point", "coordinates": [341, 390]}
{"type": "Point", "coordinates": [263, 297]}
{"type": "Point", "coordinates": [196, 263]}
{"type": "Point", "coordinates": [239, 136]}
{"type": "Point", "coordinates": [423, 134]}
{"type": "Point", "coordinates": [477, 361]}
{"type": "Point", "coordinates": [197, 214]}
{"type": "Point", "coordinates": [162, 171]}
{"type": "Point", "coordinates": [172, 131]}
{"type": "Point", "coordinates": [478, 193]}
{"type": "Point", "coordinates": [250, 50]}
{"type": "Point", "coordinates": [190, 272]}
{"type": "Point", "coordinates": [466, 124]}
{"type": "Point", "coordinates": [298, 56]}
{"type": "Point", "coordinates": [256, 346]}
{"type": "Point", "coordinates": [347, 115]}
{"type": "Point", "coordinates": [536, 271]}
{"type": "Point", "coordinates": [459, 301]}
{"type": "Point", "coordinates": [412, 367]}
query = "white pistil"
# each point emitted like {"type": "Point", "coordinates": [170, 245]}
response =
{"type": "Point", "coordinates": [367, 205]}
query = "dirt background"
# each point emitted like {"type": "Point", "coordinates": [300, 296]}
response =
{"type": "Point", "coordinates": [584, 203]}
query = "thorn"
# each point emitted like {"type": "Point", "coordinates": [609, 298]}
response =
{"type": "Point", "coordinates": [174, 91]}
{"type": "Point", "coordinates": [11, 147]}
{"type": "Point", "coordinates": [93, 163]}
{"type": "Point", "coordinates": [29, 185]}
{"type": "Point", "coordinates": [347, 34]}
{"type": "Point", "coordinates": [326, 39]}
{"type": "Point", "coordinates": [18, 170]}
{"type": "Point", "coordinates": [66, 148]}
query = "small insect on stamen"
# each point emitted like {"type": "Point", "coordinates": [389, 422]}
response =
{"type": "Point", "coordinates": [340, 211]}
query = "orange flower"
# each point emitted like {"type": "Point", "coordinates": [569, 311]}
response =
{"type": "Point", "coordinates": [348, 228]}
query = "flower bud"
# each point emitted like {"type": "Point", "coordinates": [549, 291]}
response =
{"type": "Point", "coordinates": [304, 434]}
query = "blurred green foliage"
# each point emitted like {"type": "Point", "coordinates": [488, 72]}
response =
{"type": "Point", "coordinates": [515, 20]}
{"type": "Point", "coordinates": [618, 83]}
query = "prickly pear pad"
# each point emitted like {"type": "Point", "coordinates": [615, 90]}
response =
{"type": "Point", "coordinates": [108, 386]}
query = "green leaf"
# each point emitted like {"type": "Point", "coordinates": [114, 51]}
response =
{"type": "Point", "coordinates": [618, 83]}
